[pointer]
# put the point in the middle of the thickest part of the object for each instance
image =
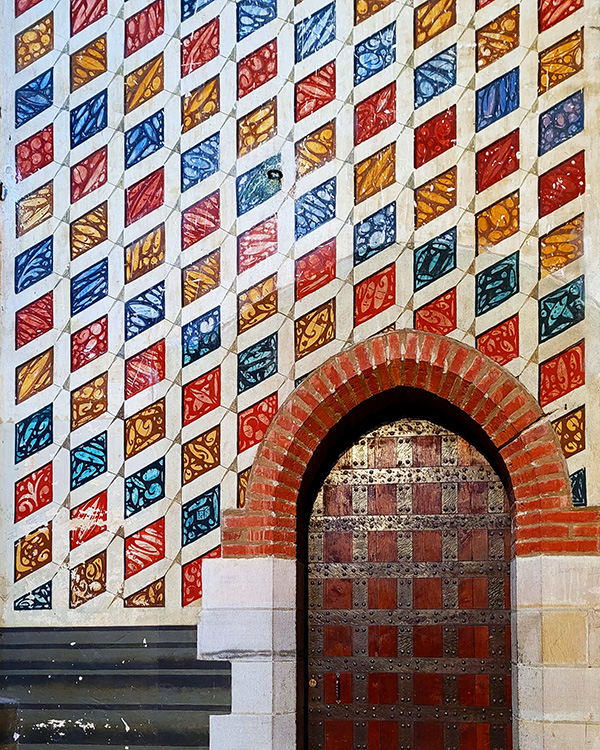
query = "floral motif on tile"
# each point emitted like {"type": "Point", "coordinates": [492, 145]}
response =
{"type": "Point", "coordinates": [34, 42]}
{"type": "Point", "coordinates": [200, 47]}
{"type": "Point", "coordinates": [88, 580]}
{"type": "Point", "coordinates": [89, 343]}
{"type": "Point", "coordinates": [497, 222]}
{"type": "Point", "coordinates": [152, 595]}
{"type": "Point", "coordinates": [34, 433]}
{"type": "Point", "coordinates": [315, 91]}
{"type": "Point", "coordinates": [375, 173]}
{"type": "Point", "coordinates": [34, 320]}
{"type": "Point", "coordinates": [561, 246]}
{"type": "Point", "coordinates": [315, 329]}
{"type": "Point", "coordinates": [496, 283]}
{"type": "Point", "coordinates": [439, 315]}
{"type": "Point", "coordinates": [253, 422]}
{"type": "Point", "coordinates": [315, 269]}
{"type": "Point", "coordinates": [375, 294]}
{"type": "Point", "coordinates": [145, 487]}
{"type": "Point", "coordinates": [257, 304]}
{"type": "Point", "coordinates": [364, 9]}
{"type": "Point", "coordinates": [375, 113]}
{"type": "Point", "coordinates": [201, 277]}
{"type": "Point", "coordinates": [88, 520]}
{"type": "Point", "coordinates": [89, 460]}
{"type": "Point", "coordinates": [551, 12]}
{"type": "Point", "coordinates": [89, 174]}
{"type": "Point", "coordinates": [258, 362]}
{"type": "Point", "coordinates": [561, 309]}
{"type": "Point", "coordinates": [34, 209]}
{"type": "Point", "coordinates": [35, 375]}
{"type": "Point", "coordinates": [433, 17]}
{"type": "Point", "coordinates": [435, 136]}
{"type": "Point", "coordinates": [315, 149]}
{"type": "Point", "coordinates": [33, 551]}
{"type": "Point", "coordinates": [144, 548]}
{"type": "Point", "coordinates": [434, 198]}
{"type": "Point", "coordinates": [86, 12]}
{"type": "Point", "coordinates": [33, 491]}
{"type": "Point", "coordinates": [89, 230]}
{"type": "Point", "coordinates": [35, 153]}
{"type": "Point", "coordinates": [144, 196]}
{"type": "Point", "coordinates": [145, 369]}
{"type": "Point", "coordinates": [562, 374]}
{"type": "Point", "coordinates": [243, 478]}
{"type": "Point", "coordinates": [257, 244]}
{"type": "Point", "coordinates": [561, 122]}
{"type": "Point", "coordinates": [571, 431]}
{"type": "Point", "coordinates": [501, 343]}
{"type": "Point", "coordinates": [89, 401]}
{"type": "Point", "coordinates": [144, 83]}
{"type": "Point", "coordinates": [257, 68]}
{"type": "Point", "coordinates": [145, 428]}
{"type": "Point", "coordinates": [200, 104]}
{"type": "Point", "coordinates": [200, 220]}
{"type": "Point", "coordinates": [561, 184]}
{"type": "Point", "coordinates": [497, 161]}
{"type": "Point", "coordinates": [560, 61]}
{"type": "Point", "coordinates": [192, 578]}
{"type": "Point", "coordinates": [145, 254]}
{"type": "Point", "coordinates": [257, 127]}
{"type": "Point", "coordinates": [497, 38]}
{"type": "Point", "coordinates": [143, 27]}
{"type": "Point", "coordinates": [201, 454]}
{"type": "Point", "coordinates": [201, 396]}
{"type": "Point", "coordinates": [89, 62]}
{"type": "Point", "coordinates": [34, 264]}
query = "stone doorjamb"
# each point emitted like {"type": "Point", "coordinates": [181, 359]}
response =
{"type": "Point", "coordinates": [249, 614]}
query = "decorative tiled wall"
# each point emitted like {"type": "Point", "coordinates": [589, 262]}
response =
{"type": "Point", "coordinates": [205, 199]}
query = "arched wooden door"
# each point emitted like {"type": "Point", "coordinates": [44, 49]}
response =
{"type": "Point", "coordinates": [408, 597]}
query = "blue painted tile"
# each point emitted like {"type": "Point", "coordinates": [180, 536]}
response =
{"type": "Point", "coordinates": [144, 139]}
{"type": "Point", "coordinates": [190, 7]}
{"type": "Point", "coordinates": [496, 284]}
{"type": "Point", "coordinates": [375, 233]}
{"type": "Point", "coordinates": [34, 97]}
{"type": "Point", "coordinates": [89, 286]}
{"type": "Point", "coordinates": [201, 336]}
{"type": "Point", "coordinates": [33, 264]}
{"type": "Point", "coordinates": [579, 488]}
{"type": "Point", "coordinates": [38, 598]}
{"type": "Point", "coordinates": [255, 186]}
{"type": "Point", "coordinates": [145, 487]}
{"type": "Point", "coordinates": [33, 433]}
{"type": "Point", "coordinates": [89, 118]}
{"type": "Point", "coordinates": [561, 309]}
{"type": "Point", "coordinates": [145, 310]}
{"type": "Point", "coordinates": [315, 208]}
{"type": "Point", "coordinates": [497, 99]}
{"type": "Point", "coordinates": [375, 53]}
{"type": "Point", "coordinates": [89, 460]}
{"type": "Point", "coordinates": [257, 363]}
{"type": "Point", "coordinates": [314, 32]}
{"type": "Point", "coordinates": [200, 515]}
{"type": "Point", "coordinates": [200, 162]}
{"type": "Point", "coordinates": [435, 76]}
{"type": "Point", "coordinates": [561, 122]}
{"type": "Point", "coordinates": [435, 259]}
{"type": "Point", "coordinates": [253, 15]}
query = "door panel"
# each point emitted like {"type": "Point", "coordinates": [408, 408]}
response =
{"type": "Point", "coordinates": [409, 600]}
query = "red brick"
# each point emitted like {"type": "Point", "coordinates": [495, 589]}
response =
{"type": "Point", "coordinates": [590, 529]}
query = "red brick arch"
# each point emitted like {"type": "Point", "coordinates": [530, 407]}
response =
{"type": "Point", "coordinates": [544, 518]}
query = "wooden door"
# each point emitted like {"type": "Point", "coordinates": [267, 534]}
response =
{"type": "Point", "coordinates": [408, 587]}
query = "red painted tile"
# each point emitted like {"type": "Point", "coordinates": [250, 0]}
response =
{"type": "Point", "coordinates": [561, 184]}
{"type": "Point", "coordinates": [199, 47]}
{"type": "Point", "coordinates": [427, 593]}
{"type": "Point", "coordinates": [89, 174]}
{"type": "Point", "coordinates": [315, 269]}
{"type": "Point", "coordinates": [375, 113]}
{"type": "Point", "coordinates": [427, 641]}
{"type": "Point", "coordinates": [191, 577]}
{"type": "Point", "coordinates": [89, 343]}
{"type": "Point", "coordinates": [144, 196]}
{"type": "Point", "coordinates": [337, 593]}
{"type": "Point", "coordinates": [145, 369]}
{"type": "Point", "coordinates": [145, 547]}
{"type": "Point", "coordinates": [253, 422]}
{"type": "Point", "coordinates": [143, 27]}
{"type": "Point", "coordinates": [315, 91]}
{"type": "Point", "coordinates": [200, 220]}
{"type": "Point", "coordinates": [33, 320]}
{"type": "Point", "coordinates": [435, 136]}
{"type": "Point", "coordinates": [439, 315]}
{"type": "Point", "coordinates": [562, 374]}
{"type": "Point", "coordinates": [337, 640]}
{"type": "Point", "coordinates": [427, 689]}
{"type": "Point", "coordinates": [22, 5]}
{"type": "Point", "coordinates": [33, 492]}
{"type": "Point", "coordinates": [257, 243]}
{"type": "Point", "coordinates": [201, 396]}
{"type": "Point", "coordinates": [375, 294]}
{"type": "Point", "coordinates": [35, 153]}
{"type": "Point", "coordinates": [497, 161]}
{"type": "Point", "coordinates": [88, 520]}
{"type": "Point", "coordinates": [86, 12]}
{"type": "Point", "coordinates": [257, 68]}
{"type": "Point", "coordinates": [501, 343]}
{"type": "Point", "coordinates": [551, 12]}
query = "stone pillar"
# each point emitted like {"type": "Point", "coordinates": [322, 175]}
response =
{"type": "Point", "coordinates": [248, 617]}
{"type": "Point", "coordinates": [556, 625]}
{"type": "Point", "coordinates": [8, 724]}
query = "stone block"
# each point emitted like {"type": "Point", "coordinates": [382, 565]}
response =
{"type": "Point", "coordinates": [564, 637]}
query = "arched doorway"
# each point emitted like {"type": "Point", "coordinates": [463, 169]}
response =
{"type": "Point", "coordinates": [408, 627]}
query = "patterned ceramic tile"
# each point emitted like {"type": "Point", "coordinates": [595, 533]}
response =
{"type": "Point", "coordinates": [561, 246]}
